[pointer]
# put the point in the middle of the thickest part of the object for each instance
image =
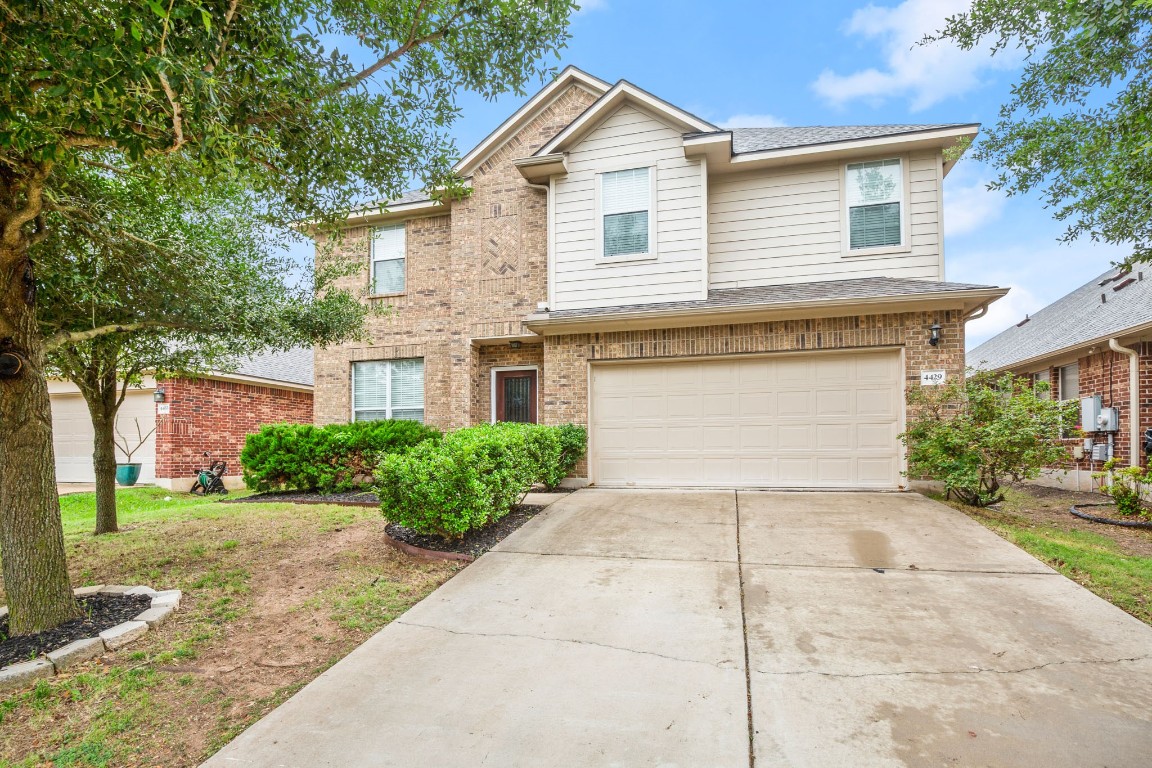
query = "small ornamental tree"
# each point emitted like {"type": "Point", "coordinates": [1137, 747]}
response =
{"type": "Point", "coordinates": [975, 434]}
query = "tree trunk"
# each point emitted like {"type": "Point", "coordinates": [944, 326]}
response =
{"type": "Point", "coordinates": [104, 462]}
{"type": "Point", "coordinates": [31, 535]}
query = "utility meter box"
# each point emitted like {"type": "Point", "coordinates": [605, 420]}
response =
{"type": "Point", "coordinates": [1090, 413]}
{"type": "Point", "coordinates": [1108, 420]}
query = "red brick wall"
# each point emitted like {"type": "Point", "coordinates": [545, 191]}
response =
{"type": "Point", "coordinates": [211, 415]}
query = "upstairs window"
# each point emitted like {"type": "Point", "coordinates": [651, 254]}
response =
{"type": "Point", "coordinates": [875, 192]}
{"type": "Point", "coordinates": [388, 389]}
{"type": "Point", "coordinates": [625, 209]}
{"type": "Point", "coordinates": [388, 260]}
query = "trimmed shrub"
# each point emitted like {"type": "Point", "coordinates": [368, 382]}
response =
{"type": "Point", "coordinates": [334, 458]}
{"type": "Point", "coordinates": [474, 476]}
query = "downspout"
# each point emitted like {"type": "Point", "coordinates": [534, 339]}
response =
{"type": "Point", "coordinates": [1133, 399]}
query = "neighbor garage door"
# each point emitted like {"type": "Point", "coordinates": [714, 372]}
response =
{"type": "Point", "coordinates": [72, 435]}
{"type": "Point", "coordinates": [810, 420]}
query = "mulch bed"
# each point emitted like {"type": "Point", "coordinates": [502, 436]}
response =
{"type": "Point", "coordinates": [474, 543]}
{"type": "Point", "coordinates": [351, 499]}
{"type": "Point", "coordinates": [101, 612]}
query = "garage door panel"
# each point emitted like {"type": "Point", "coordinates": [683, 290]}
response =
{"type": "Point", "coordinates": [72, 435]}
{"type": "Point", "coordinates": [810, 420]}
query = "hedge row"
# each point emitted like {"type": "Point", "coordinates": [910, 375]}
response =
{"type": "Point", "coordinates": [474, 476]}
{"type": "Point", "coordinates": [338, 457]}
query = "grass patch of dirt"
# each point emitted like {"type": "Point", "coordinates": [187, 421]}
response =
{"type": "Point", "coordinates": [1113, 562]}
{"type": "Point", "coordinates": [274, 594]}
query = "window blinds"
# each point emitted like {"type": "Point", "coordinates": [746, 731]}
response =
{"type": "Point", "coordinates": [388, 252]}
{"type": "Point", "coordinates": [875, 191]}
{"type": "Point", "coordinates": [625, 200]}
{"type": "Point", "coordinates": [388, 389]}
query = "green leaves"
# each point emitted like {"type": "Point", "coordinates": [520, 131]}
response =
{"type": "Point", "coordinates": [975, 434]}
{"type": "Point", "coordinates": [1077, 126]}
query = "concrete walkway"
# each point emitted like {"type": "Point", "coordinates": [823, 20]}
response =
{"type": "Point", "coordinates": [628, 628]}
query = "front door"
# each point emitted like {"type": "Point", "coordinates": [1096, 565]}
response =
{"type": "Point", "coordinates": [516, 396]}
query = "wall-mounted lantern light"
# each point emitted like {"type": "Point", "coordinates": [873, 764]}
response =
{"type": "Point", "coordinates": [159, 395]}
{"type": "Point", "coordinates": [935, 338]}
{"type": "Point", "coordinates": [514, 344]}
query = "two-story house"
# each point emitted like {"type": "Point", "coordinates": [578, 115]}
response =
{"type": "Point", "coordinates": [735, 308]}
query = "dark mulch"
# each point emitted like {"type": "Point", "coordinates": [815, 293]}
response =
{"type": "Point", "coordinates": [352, 498]}
{"type": "Point", "coordinates": [101, 612]}
{"type": "Point", "coordinates": [474, 543]}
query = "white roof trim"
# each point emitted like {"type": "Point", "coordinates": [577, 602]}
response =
{"type": "Point", "coordinates": [570, 76]}
{"type": "Point", "coordinates": [620, 93]}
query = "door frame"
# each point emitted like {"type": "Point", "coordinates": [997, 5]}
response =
{"type": "Point", "coordinates": [492, 388]}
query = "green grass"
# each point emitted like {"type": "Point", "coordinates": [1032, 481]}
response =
{"type": "Point", "coordinates": [134, 707]}
{"type": "Point", "coordinates": [1091, 559]}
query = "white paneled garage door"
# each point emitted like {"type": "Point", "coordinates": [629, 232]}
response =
{"type": "Point", "coordinates": [72, 435]}
{"type": "Point", "coordinates": [809, 420]}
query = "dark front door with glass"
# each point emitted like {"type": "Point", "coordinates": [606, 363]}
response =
{"type": "Point", "coordinates": [516, 396]}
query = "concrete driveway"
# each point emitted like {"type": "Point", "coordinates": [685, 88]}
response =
{"type": "Point", "coordinates": [668, 628]}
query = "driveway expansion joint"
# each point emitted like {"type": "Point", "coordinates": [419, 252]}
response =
{"type": "Point", "coordinates": [969, 671]}
{"type": "Point", "coordinates": [726, 664]}
{"type": "Point", "coordinates": [595, 556]}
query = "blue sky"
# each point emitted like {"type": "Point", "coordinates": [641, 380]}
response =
{"type": "Point", "coordinates": [826, 63]}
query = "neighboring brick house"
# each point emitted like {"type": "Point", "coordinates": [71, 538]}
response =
{"type": "Point", "coordinates": [1094, 342]}
{"type": "Point", "coordinates": [721, 308]}
{"type": "Point", "coordinates": [210, 413]}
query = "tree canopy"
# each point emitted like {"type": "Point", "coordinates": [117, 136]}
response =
{"type": "Point", "coordinates": [1078, 127]}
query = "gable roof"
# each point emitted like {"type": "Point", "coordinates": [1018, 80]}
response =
{"type": "Point", "coordinates": [623, 91]}
{"type": "Point", "coordinates": [1116, 303]}
{"type": "Point", "coordinates": [568, 77]}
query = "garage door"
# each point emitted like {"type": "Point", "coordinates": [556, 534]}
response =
{"type": "Point", "coordinates": [809, 420]}
{"type": "Point", "coordinates": [72, 435]}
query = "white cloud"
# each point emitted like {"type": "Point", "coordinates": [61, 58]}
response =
{"type": "Point", "coordinates": [969, 205]}
{"type": "Point", "coordinates": [925, 74]}
{"type": "Point", "coordinates": [752, 121]}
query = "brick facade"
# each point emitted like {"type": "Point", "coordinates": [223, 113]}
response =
{"type": "Point", "coordinates": [213, 415]}
{"type": "Point", "coordinates": [1105, 373]}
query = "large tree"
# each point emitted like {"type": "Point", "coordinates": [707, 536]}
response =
{"type": "Point", "coordinates": [186, 281]}
{"type": "Point", "coordinates": [1079, 122]}
{"type": "Point", "coordinates": [252, 88]}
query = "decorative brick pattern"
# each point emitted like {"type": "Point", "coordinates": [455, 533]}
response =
{"type": "Point", "coordinates": [212, 415]}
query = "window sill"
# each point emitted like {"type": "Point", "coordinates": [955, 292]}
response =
{"type": "Point", "coordinates": [374, 296]}
{"type": "Point", "coordinates": [604, 261]}
{"type": "Point", "coordinates": [878, 251]}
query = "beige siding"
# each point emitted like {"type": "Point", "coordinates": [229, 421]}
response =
{"type": "Point", "coordinates": [785, 226]}
{"type": "Point", "coordinates": [629, 138]}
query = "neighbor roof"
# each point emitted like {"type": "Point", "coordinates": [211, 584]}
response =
{"type": "Point", "coordinates": [745, 140]}
{"type": "Point", "coordinates": [1107, 306]}
{"type": "Point", "coordinates": [291, 367]}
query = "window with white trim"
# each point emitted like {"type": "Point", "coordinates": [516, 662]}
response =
{"type": "Point", "coordinates": [625, 212]}
{"type": "Point", "coordinates": [1069, 379]}
{"type": "Point", "coordinates": [875, 198]}
{"type": "Point", "coordinates": [388, 389]}
{"type": "Point", "coordinates": [1045, 378]}
{"type": "Point", "coordinates": [388, 259]}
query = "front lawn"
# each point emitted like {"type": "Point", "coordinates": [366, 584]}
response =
{"type": "Point", "coordinates": [1113, 562]}
{"type": "Point", "coordinates": [273, 595]}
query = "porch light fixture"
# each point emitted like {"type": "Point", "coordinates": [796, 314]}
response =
{"type": "Point", "coordinates": [159, 395]}
{"type": "Point", "coordinates": [935, 338]}
{"type": "Point", "coordinates": [514, 344]}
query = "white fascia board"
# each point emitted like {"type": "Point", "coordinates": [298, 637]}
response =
{"type": "Point", "coordinates": [1072, 353]}
{"type": "Point", "coordinates": [402, 211]}
{"type": "Point", "coordinates": [256, 381]}
{"type": "Point", "coordinates": [569, 76]}
{"type": "Point", "coordinates": [620, 93]}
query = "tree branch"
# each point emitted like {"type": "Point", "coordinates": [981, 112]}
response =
{"type": "Point", "coordinates": [33, 205]}
{"type": "Point", "coordinates": [63, 338]}
{"type": "Point", "coordinates": [409, 44]}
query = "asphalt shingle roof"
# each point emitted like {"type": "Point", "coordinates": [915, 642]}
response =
{"type": "Point", "coordinates": [859, 288]}
{"type": "Point", "coordinates": [291, 367]}
{"type": "Point", "coordinates": [1078, 318]}
{"type": "Point", "coordinates": [746, 140]}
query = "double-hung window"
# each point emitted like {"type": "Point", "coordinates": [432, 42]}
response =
{"type": "Point", "coordinates": [388, 260]}
{"type": "Point", "coordinates": [1045, 378]}
{"type": "Point", "coordinates": [626, 213]}
{"type": "Point", "coordinates": [1069, 381]}
{"type": "Point", "coordinates": [875, 194]}
{"type": "Point", "coordinates": [388, 389]}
